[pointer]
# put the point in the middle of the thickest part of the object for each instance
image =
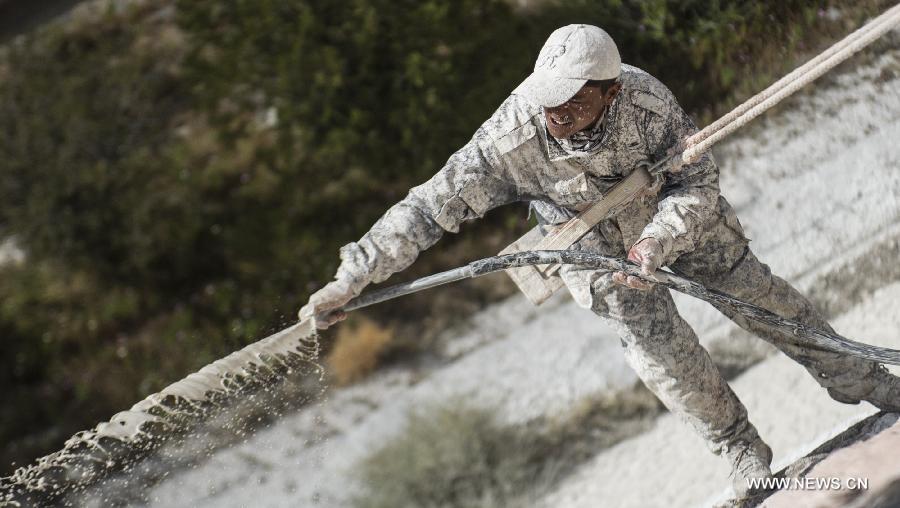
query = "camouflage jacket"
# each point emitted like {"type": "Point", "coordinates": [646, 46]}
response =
{"type": "Point", "coordinates": [512, 158]}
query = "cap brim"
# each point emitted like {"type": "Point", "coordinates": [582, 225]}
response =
{"type": "Point", "coordinates": [548, 91]}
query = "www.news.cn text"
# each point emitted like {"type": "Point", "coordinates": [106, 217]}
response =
{"type": "Point", "coordinates": [809, 483]}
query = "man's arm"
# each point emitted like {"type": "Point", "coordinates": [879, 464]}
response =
{"type": "Point", "coordinates": [464, 189]}
{"type": "Point", "coordinates": [688, 198]}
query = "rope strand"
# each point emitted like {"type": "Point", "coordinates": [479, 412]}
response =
{"type": "Point", "coordinates": [785, 87]}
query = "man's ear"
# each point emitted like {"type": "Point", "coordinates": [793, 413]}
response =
{"type": "Point", "coordinates": [612, 91]}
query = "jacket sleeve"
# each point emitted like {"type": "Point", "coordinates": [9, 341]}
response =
{"type": "Point", "coordinates": [464, 189]}
{"type": "Point", "coordinates": [688, 198]}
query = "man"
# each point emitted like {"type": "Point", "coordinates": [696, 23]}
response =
{"type": "Point", "coordinates": [571, 130]}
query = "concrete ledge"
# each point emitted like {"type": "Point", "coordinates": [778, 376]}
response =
{"type": "Point", "coordinates": [855, 469]}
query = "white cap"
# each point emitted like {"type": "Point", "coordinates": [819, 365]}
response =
{"type": "Point", "coordinates": [571, 56]}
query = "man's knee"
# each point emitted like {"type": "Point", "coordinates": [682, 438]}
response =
{"type": "Point", "coordinates": [645, 320]}
{"type": "Point", "coordinates": [630, 306]}
{"type": "Point", "coordinates": [747, 278]}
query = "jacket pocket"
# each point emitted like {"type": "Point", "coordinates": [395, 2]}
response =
{"type": "Point", "coordinates": [577, 190]}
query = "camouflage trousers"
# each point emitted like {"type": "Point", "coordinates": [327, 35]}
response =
{"type": "Point", "coordinates": [664, 350]}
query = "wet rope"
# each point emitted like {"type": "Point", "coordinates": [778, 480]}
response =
{"type": "Point", "coordinates": [696, 145]}
{"type": "Point", "coordinates": [807, 335]}
{"type": "Point", "coordinates": [91, 455]}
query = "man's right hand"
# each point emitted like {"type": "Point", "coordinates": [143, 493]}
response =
{"type": "Point", "coordinates": [323, 304]}
{"type": "Point", "coordinates": [647, 253]}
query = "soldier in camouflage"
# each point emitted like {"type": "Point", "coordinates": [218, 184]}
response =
{"type": "Point", "coordinates": [570, 131]}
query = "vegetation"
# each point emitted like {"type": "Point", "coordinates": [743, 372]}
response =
{"type": "Point", "coordinates": [359, 345]}
{"type": "Point", "coordinates": [181, 174]}
{"type": "Point", "coordinates": [454, 454]}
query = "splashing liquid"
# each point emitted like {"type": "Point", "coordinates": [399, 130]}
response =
{"type": "Point", "coordinates": [92, 455]}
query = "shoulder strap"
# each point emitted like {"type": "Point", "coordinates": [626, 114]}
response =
{"type": "Point", "coordinates": [619, 195]}
{"type": "Point", "coordinates": [539, 282]}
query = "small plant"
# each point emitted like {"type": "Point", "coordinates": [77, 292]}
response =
{"type": "Point", "coordinates": [451, 455]}
{"type": "Point", "coordinates": [454, 455]}
{"type": "Point", "coordinates": [357, 350]}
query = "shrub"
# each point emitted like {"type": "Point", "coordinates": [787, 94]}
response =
{"type": "Point", "coordinates": [453, 454]}
{"type": "Point", "coordinates": [356, 351]}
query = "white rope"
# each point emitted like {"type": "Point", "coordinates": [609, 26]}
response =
{"type": "Point", "coordinates": [796, 73]}
{"type": "Point", "coordinates": [786, 86]}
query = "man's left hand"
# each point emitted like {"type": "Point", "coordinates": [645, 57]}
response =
{"type": "Point", "coordinates": [648, 253]}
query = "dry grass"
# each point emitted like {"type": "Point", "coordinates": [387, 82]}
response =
{"type": "Point", "coordinates": [358, 346]}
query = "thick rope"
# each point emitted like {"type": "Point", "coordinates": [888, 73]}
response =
{"type": "Point", "coordinates": [699, 143]}
{"type": "Point", "coordinates": [804, 334]}
{"type": "Point", "coordinates": [795, 74]}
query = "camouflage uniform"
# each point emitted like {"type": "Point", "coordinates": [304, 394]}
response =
{"type": "Point", "coordinates": [513, 158]}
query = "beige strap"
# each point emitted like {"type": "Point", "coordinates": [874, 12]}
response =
{"type": "Point", "coordinates": [619, 195]}
{"type": "Point", "coordinates": [539, 282]}
{"type": "Point", "coordinates": [534, 284]}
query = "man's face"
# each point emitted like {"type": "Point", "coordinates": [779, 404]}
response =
{"type": "Point", "coordinates": [579, 112]}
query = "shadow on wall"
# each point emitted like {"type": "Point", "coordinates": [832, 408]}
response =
{"type": "Point", "coordinates": [20, 16]}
